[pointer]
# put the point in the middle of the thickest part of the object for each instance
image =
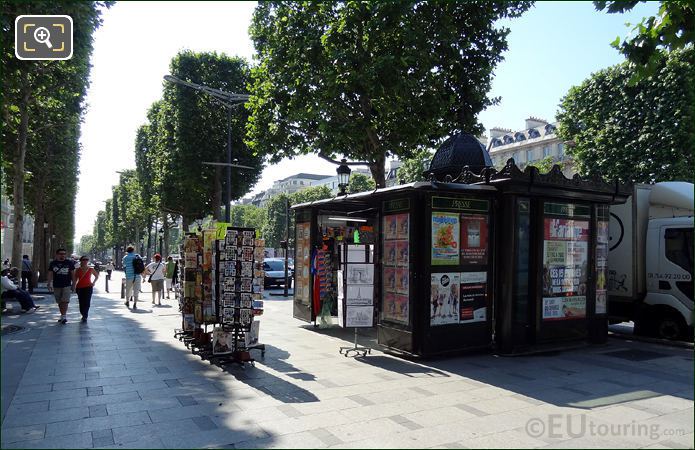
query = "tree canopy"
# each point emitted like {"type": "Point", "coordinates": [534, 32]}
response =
{"type": "Point", "coordinates": [672, 28]}
{"type": "Point", "coordinates": [368, 80]}
{"type": "Point", "coordinates": [643, 132]}
{"type": "Point", "coordinates": [42, 105]}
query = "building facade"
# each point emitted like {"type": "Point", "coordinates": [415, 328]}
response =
{"type": "Point", "coordinates": [7, 231]}
{"type": "Point", "coordinates": [536, 142]}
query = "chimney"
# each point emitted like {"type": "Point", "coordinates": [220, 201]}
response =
{"type": "Point", "coordinates": [533, 122]}
{"type": "Point", "coordinates": [499, 132]}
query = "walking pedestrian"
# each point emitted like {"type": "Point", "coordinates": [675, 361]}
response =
{"type": "Point", "coordinates": [134, 267]}
{"type": "Point", "coordinates": [60, 282]}
{"type": "Point", "coordinates": [109, 269]}
{"type": "Point", "coordinates": [11, 291]}
{"type": "Point", "coordinates": [155, 270]}
{"type": "Point", "coordinates": [169, 274]}
{"type": "Point", "coordinates": [27, 274]}
{"type": "Point", "coordinates": [84, 285]}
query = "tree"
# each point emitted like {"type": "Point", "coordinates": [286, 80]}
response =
{"type": "Point", "coordinates": [275, 227]}
{"type": "Point", "coordinates": [673, 28]}
{"type": "Point", "coordinates": [249, 216]}
{"type": "Point", "coordinates": [360, 182]}
{"type": "Point", "coordinates": [41, 98]}
{"type": "Point", "coordinates": [412, 169]}
{"type": "Point", "coordinates": [188, 128]}
{"type": "Point", "coordinates": [369, 80]}
{"type": "Point", "coordinates": [641, 133]}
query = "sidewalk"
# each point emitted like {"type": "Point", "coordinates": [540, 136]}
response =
{"type": "Point", "coordinates": [123, 381]}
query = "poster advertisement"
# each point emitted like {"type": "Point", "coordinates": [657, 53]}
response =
{"type": "Point", "coordinates": [359, 316]}
{"type": "Point", "coordinates": [403, 226]}
{"type": "Point", "coordinates": [222, 341]}
{"type": "Point", "coordinates": [565, 266]}
{"type": "Point", "coordinates": [396, 308]}
{"type": "Point", "coordinates": [563, 308]}
{"type": "Point", "coordinates": [445, 239]}
{"type": "Point", "coordinates": [389, 253]}
{"type": "Point", "coordinates": [601, 266]}
{"type": "Point", "coordinates": [473, 297]}
{"type": "Point", "coordinates": [391, 227]}
{"type": "Point", "coordinates": [302, 263]}
{"type": "Point", "coordinates": [390, 280]}
{"type": "Point", "coordinates": [474, 239]}
{"type": "Point", "coordinates": [402, 253]}
{"type": "Point", "coordinates": [444, 298]}
{"type": "Point", "coordinates": [402, 281]}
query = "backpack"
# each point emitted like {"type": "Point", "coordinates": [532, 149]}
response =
{"type": "Point", "coordinates": [138, 265]}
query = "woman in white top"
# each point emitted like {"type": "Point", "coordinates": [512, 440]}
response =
{"type": "Point", "coordinates": [155, 271]}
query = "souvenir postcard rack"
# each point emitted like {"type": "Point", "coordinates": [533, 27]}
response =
{"type": "Point", "coordinates": [238, 287]}
{"type": "Point", "coordinates": [356, 292]}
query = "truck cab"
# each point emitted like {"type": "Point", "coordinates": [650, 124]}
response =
{"type": "Point", "coordinates": [650, 260]}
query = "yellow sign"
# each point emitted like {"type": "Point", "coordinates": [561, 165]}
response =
{"type": "Point", "coordinates": [222, 229]}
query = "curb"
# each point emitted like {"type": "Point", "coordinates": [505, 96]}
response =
{"type": "Point", "coordinates": [665, 342]}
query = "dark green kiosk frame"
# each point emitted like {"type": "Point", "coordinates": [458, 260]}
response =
{"type": "Point", "coordinates": [517, 207]}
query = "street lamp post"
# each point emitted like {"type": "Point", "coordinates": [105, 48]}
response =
{"type": "Point", "coordinates": [343, 172]}
{"type": "Point", "coordinates": [161, 237]}
{"type": "Point", "coordinates": [45, 251]}
{"type": "Point", "coordinates": [229, 100]}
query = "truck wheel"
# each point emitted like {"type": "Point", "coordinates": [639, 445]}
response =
{"type": "Point", "coordinates": [670, 326]}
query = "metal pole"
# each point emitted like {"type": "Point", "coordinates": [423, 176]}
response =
{"type": "Point", "coordinates": [287, 240]}
{"type": "Point", "coordinates": [228, 199]}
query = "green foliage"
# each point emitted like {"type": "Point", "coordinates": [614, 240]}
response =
{"type": "Point", "coordinates": [642, 133]}
{"type": "Point", "coordinates": [360, 182]}
{"type": "Point", "coordinates": [543, 165]}
{"type": "Point", "coordinates": [310, 194]}
{"type": "Point", "coordinates": [275, 227]}
{"type": "Point", "coordinates": [412, 168]}
{"type": "Point", "coordinates": [249, 216]}
{"type": "Point", "coordinates": [371, 79]}
{"type": "Point", "coordinates": [672, 28]}
{"type": "Point", "coordinates": [42, 104]}
{"type": "Point", "coordinates": [189, 128]}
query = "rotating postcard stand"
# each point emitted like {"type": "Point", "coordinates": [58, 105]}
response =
{"type": "Point", "coordinates": [239, 285]}
{"type": "Point", "coordinates": [356, 293]}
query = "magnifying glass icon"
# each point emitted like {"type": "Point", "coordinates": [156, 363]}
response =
{"type": "Point", "coordinates": [42, 36]}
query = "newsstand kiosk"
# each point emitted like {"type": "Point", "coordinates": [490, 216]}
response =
{"type": "Point", "coordinates": [511, 261]}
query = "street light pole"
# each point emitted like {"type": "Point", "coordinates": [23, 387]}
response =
{"type": "Point", "coordinates": [228, 199]}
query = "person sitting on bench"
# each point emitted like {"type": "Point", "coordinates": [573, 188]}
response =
{"type": "Point", "coordinates": [11, 291]}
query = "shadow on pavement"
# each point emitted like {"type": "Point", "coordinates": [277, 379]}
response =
{"type": "Point", "coordinates": [153, 393]}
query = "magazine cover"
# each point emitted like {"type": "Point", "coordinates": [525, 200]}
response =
{"type": "Point", "coordinates": [445, 239]}
{"type": "Point", "coordinates": [444, 298]}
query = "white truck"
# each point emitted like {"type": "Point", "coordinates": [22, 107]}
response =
{"type": "Point", "coordinates": [650, 260]}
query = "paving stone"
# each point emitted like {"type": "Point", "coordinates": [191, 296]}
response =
{"type": "Point", "coordinates": [94, 391]}
{"type": "Point", "coordinates": [204, 423]}
{"type": "Point", "coordinates": [98, 411]}
{"type": "Point", "coordinates": [96, 423]}
{"type": "Point", "coordinates": [186, 400]}
{"type": "Point", "coordinates": [18, 420]}
{"type": "Point", "coordinates": [78, 440]}
{"type": "Point", "coordinates": [93, 400]}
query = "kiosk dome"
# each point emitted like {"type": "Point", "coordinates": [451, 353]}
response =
{"type": "Point", "coordinates": [460, 150]}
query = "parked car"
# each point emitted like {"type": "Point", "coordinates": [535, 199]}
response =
{"type": "Point", "coordinates": [275, 272]}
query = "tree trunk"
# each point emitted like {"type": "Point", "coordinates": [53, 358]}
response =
{"type": "Point", "coordinates": [18, 188]}
{"type": "Point", "coordinates": [377, 168]}
{"type": "Point", "coordinates": [165, 245]}
{"type": "Point", "coordinates": [38, 259]}
{"type": "Point", "coordinates": [149, 239]}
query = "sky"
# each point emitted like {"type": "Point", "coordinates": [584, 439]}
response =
{"type": "Point", "coordinates": [552, 47]}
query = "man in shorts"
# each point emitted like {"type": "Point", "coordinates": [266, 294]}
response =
{"type": "Point", "coordinates": [60, 282]}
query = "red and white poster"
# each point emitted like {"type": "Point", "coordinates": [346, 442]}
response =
{"type": "Point", "coordinates": [474, 239]}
